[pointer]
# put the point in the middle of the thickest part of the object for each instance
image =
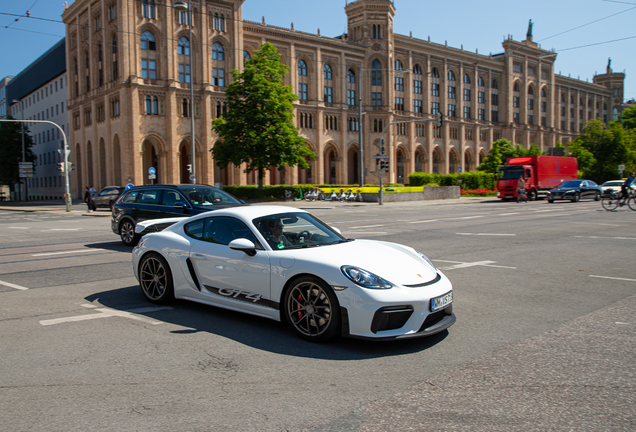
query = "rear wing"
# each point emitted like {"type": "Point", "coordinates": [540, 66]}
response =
{"type": "Point", "coordinates": [155, 225]}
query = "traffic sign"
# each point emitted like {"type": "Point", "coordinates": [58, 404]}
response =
{"type": "Point", "coordinates": [152, 171]}
{"type": "Point", "coordinates": [381, 157]}
{"type": "Point", "coordinates": [459, 169]}
{"type": "Point", "coordinates": [621, 167]}
{"type": "Point", "coordinates": [129, 185]}
{"type": "Point", "coordinates": [193, 179]}
{"type": "Point", "coordinates": [152, 176]}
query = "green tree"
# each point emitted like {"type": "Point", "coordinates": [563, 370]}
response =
{"type": "Point", "coordinates": [585, 159]}
{"type": "Point", "coordinates": [608, 145]}
{"type": "Point", "coordinates": [534, 150]}
{"type": "Point", "coordinates": [258, 129]}
{"type": "Point", "coordinates": [629, 118]}
{"type": "Point", "coordinates": [11, 150]}
{"type": "Point", "coordinates": [493, 161]}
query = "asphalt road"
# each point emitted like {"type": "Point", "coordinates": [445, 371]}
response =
{"type": "Point", "coordinates": [545, 337]}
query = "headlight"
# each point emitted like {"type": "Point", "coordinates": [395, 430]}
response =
{"type": "Point", "coordinates": [425, 258]}
{"type": "Point", "coordinates": [364, 278]}
{"type": "Point", "coordinates": [570, 191]}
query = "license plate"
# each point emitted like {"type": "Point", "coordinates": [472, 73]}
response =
{"type": "Point", "coordinates": [442, 301]}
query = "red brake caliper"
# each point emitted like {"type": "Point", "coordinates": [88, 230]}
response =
{"type": "Point", "coordinates": [300, 299]}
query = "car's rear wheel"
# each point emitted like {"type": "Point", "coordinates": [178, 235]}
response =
{"type": "Point", "coordinates": [311, 309]}
{"type": "Point", "coordinates": [155, 279]}
{"type": "Point", "coordinates": [597, 197]}
{"type": "Point", "coordinates": [550, 200]}
{"type": "Point", "coordinates": [127, 233]}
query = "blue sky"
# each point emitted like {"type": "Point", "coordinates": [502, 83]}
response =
{"type": "Point", "coordinates": [474, 24]}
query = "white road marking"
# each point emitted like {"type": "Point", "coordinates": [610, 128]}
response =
{"type": "Point", "coordinates": [424, 221]}
{"type": "Point", "coordinates": [108, 313]}
{"type": "Point", "coordinates": [509, 214]}
{"type": "Point", "coordinates": [366, 226]}
{"type": "Point", "coordinates": [19, 227]}
{"type": "Point", "coordinates": [14, 286]}
{"type": "Point", "coordinates": [459, 264]}
{"type": "Point", "coordinates": [67, 252]}
{"type": "Point", "coordinates": [593, 223]}
{"type": "Point", "coordinates": [465, 217]}
{"type": "Point", "coordinates": [63, 229]}
{"type": "Point", "coordinates": [613, 238]}
{"type": "Point", "coordinates": [485, 234]}
{"type": "Point", "coordinates": [613, 278]}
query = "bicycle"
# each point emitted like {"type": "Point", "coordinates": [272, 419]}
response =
{"type": "Point", "coordinates": [611, 200]}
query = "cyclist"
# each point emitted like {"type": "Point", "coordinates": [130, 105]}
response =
{"type": "Point", "coordinates": [627, 185]}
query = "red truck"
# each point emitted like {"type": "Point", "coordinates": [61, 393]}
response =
{"type": "Point", "coordinates": [541, 173]}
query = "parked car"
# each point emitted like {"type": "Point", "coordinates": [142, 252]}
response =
{"type": "Point", "coordinates": [289, 266]}
{"type": "Point", "coordinates": [108, 196]}
{"type": "Point", "coordinates": [615, 185]}
{"type": "Point", "coordinates": [575, 190]}
{"type": "Point", "coordinates": [164, 201]}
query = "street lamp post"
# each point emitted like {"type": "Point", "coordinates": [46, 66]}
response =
{"type": "Point", "coordinates": [186, 7]}
{"type": "Point", "coordinates": [23, 186]}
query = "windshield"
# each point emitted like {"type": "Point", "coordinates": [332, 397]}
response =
{"type": "Point", "coordinates": [570, 184]}
{"type": "Point", "coordinates": [295, 231]}
{"type": "Point", "coordinates": [208, 196]}
{"type": "Point", "coordinates": [510, 173]}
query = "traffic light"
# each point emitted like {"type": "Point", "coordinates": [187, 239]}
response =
{"type": "Point", "coordinates": [60, 166]}
{"type": "Point", "coordinates": [71, 166]}
{"type": "Point", "coordinates": [384, 166]}
{"type": "Point", "coordinates": [382, 147]}
{"type": "Point", "coordinates": [190, 168]}
{"type": "Point", "coordinates": [439, 119]}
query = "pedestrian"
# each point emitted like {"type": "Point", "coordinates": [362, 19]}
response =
{"type": "Point", "coordinates": [88, 199]}
{"type": "Point", "coordinates": [521, 191]}
{"type": "Point", "coordinates": [93, 193]}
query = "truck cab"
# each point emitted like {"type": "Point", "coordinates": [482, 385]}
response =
{"type": "Point", "coordinates": [508, 179]}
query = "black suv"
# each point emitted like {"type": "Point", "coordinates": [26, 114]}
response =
{"type": "Point", "coordinates": [164, 201]}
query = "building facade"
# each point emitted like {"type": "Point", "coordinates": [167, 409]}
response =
{"type": "Point", "coordinates": [39, 93]}
{"type": "Point", "coordinates": [129, 107]}
{"type": "Point", "coordinates": [3, 96]}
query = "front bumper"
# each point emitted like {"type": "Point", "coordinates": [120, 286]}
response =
{"type": "Point", "coordinates": [396, 313]}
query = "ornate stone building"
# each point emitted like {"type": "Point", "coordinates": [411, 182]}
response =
{"type": "Point", "coordinates": [129, 77]}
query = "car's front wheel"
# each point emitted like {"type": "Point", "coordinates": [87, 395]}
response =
{"type": "Point", "coordinates": [155, 279]}
{"type": "Point", "coordinates": [576, 197]}
{"type": "Point", "coordinates": [127, 233]}
{"type": "Point", "coordinates": [311, 309]}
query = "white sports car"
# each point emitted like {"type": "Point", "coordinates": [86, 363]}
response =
{"type": "Point", "coordinates": [287, 265]}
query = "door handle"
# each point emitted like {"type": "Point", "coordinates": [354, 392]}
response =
{"type": "Point", "coordinates": [198, 256]}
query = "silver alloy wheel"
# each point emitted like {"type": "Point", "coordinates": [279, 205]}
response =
{"type": "Point", "coordinates": [153, 278]}
{"type": "Point", "coordinates": [309, 309]}
{"type": "Point", "coordinates": [127, 232]}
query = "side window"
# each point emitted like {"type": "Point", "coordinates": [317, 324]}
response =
{"type": "Point", "coordinates": [131, 197]}
{"type": "Point", "coordinates": [195, 229]}
{"type": "Point", "coordinates": [527, 174]}
{"type": "Point", "coordinates": [170, 197]}
{"type": "Point", "coordinates": [222, 230]}
{"type": "Point", "coordinates": [149, 196]}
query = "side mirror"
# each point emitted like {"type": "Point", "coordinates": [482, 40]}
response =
{"type": "Point", "coordinates": [180, 205]}
{"type": "Point", "coordinates": [243, 244]}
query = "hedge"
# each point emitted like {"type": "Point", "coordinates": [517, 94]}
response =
{"type": "Point", "coordinates": [469, 180]}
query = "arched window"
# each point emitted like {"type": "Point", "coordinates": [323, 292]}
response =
{"type": "Point", "coordinates": [327, 72]}
{"type": "Point", "coordinates": [351, 77]}
{"type": "Point", "coordinates": [148, 105]}
{"type": "Point", "coordinates": [530, 90]}
{"type": "Point", "coordinates": [516, 88]}
{"type": "Point", "coordinates": [114, 56]}
{"type": "Point", "coordinates": [451, 76]}
{"type": "Point", "coordinates": [184, 46]}
{"type": "Point", "coordinates": [184, 107]}
{"type": "Point", "coordinates": [398, 65]}
{"type": "Point", "coordinates": [155, 105]}
{"type": "Point", "coordinates": [466, 79]}
{"type": "Point", "coordinates": [375, 32]}
{"type": "Point", "coordinates": [246, 55]}
{"type": "Point", "coordinates": [480, 82]}
{"type": "Point", "coordinates": [543, 93]}
{"type": "Point", "coordinates": [417, 70]}
{"type": "Point", "coordinates": [302, 68]}
{"type": "Point", "coordinates": [562, 98]}
{"type": "Point", "coordinates": [222, 23]}
{"type": "Point", "coordinates": [218, 53]}
{"type": "Point", "coordinates": [435, 73]}
{"type": "Point", "coordinates": [615, 114]}
{"type": "Point", "coordinates": [148, 9]}
{"type": "Point", "coordinates": [148, 41]}
{"type": "Point", "coordinates": [376, 73]}
{"type": "Point", "coordinates": [216, 21]}
{"type": "Point", "coordinates": [495, 85]}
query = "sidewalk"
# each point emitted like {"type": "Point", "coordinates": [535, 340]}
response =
{"type": "Point", "coordinates": [80, 207]}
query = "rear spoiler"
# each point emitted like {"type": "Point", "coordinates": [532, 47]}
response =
{"type": "Point", "coordinates": [155, 225]}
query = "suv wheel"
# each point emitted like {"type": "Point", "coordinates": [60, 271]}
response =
{"type": "Point", "coordinates": [127, 233]}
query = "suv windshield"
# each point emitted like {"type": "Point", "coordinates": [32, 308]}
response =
{"type": "Point", "coordinates": [510, 173]}
{"type": "Point", "coordinates": [295, 231]}
{"type": "Point", "coordinates": [208, 196]}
